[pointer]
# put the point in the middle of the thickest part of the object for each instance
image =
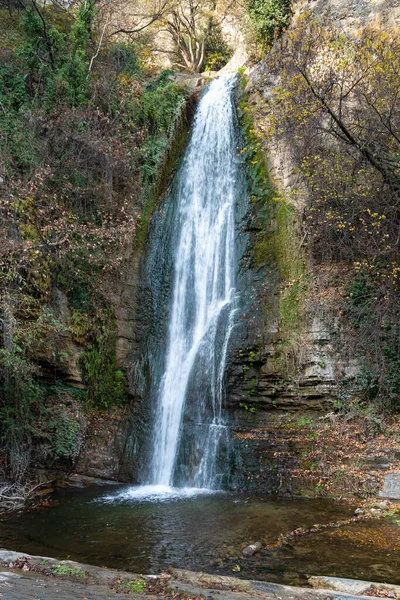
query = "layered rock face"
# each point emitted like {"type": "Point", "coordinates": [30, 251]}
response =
{"type": "Point", "coordinates": [268, 388]}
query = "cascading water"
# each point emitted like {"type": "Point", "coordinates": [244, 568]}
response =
{"type": "Point", "coordinates": [188, 307]}
{"type": "Point", "coordinates": [203, 302]}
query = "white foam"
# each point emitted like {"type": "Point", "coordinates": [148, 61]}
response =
{"type": "Point", "coordinates": [155, 493]}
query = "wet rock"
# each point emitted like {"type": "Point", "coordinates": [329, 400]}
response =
{"type": "Point", "coordinates": [77, 480]}
{"type": "Point", "coordinates": [252, 549]}
{"type": "Point", "coordinates": [385, 573]}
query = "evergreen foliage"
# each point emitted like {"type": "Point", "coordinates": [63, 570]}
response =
{"type": "Point", "coordinates": [268, 19]}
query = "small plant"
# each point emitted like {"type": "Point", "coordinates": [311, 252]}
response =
{"type": "Point", "coordinates": [67, 571]}
{"type": "Point", "coordinates": [135, 586]}
{"type": "Point", "coordinates": [305, 422]}
{"type": "Point", "coordinates": [105, 382]}
{"type": "Point", "coordinates": [243, 78]}
{"type": "Point", "coordinates": [247, 408]}
{"type": "Point", "coordinates": [79, 326]}
{"type": "Point", "coordinates": [66, 435]}
{"type": "Point", "coordinates": [236, 569]}
{"type": "Point", "coordinates": [268, 19]}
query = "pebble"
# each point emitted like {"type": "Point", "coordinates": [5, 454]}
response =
{"type": "Point", "coordinates": [375, 511]}
{"type": "Point", "coordinates": [252, 549]}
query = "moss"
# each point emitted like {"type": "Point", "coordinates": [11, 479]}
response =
{"type": "Point", "coordinates": [136, 586]}
{"type": "Point", "coordinates": [277, 243]}
{"type": "Point", "coordinates": [173, 152]}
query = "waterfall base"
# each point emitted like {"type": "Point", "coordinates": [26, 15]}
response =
{"type": "Point", "coordinates": [157, 493]}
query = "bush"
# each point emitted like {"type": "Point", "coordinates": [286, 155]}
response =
{"type": "Point", "coordinates": [22, 398]}
{"type": "Point", "coordinates": [268, 19]}
{"type": "Point", "coordinates": [105, 382]}
{"type": "Point", "coordinates": [217, 51]}
{"type": "Point", "coordinates": [126, 59]}
{"type": "Point", "coordinates": [66, 436]}
{"type": "Point", "coordinates": [335, 107]}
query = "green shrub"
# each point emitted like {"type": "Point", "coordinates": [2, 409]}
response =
{"type": "Point", "coordinates": [217, 51]}
{"type": "Point", "coordinates": [105, 382]}
{"type": "Point", "coordinates": [269, 18]}
{"type": "Point", "coordinates": [22, 398]}
{"type": "Point", "coordinates": [66, 436]}
{"type": "Point", "coordinates": [127, 61]}
{"type": "Point", "coordinates": [67, 571]}
{"type": "Point", "coordinates": [79, 326]}
{"type": "Point", "coordinates": [160, 106]}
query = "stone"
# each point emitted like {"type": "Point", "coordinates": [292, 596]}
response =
{"type": "Point", "coordinates": [391, 486]}
{"type": "Point", "coordinates": [381, 505]}
{"type": "Point", "coordinates": [359, 511]}
{"type": "Point", "coordinates": [252, 549]}
{"type": "Point", "coordinates": [375, 511]}
{"type": "Point", "coordinates": [348, 586]}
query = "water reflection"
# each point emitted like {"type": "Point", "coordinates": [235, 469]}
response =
{"type": "Point", "coordinates": [117, 528]}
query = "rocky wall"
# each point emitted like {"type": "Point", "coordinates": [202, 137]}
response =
{"type": "Point", "coordinates": [271, 385]}
{"type": "Point", "coordinates": [107, 434]}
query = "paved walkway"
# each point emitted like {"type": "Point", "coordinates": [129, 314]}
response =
{"type": "Point", "coordinates": [35, 586]}
{"type": "Point", "coordinates": [25, 577]}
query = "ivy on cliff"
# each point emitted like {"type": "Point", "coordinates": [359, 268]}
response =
{"type": "Point", "coordinates": [277, 247]}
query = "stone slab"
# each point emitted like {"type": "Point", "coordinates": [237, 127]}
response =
{"type": "Point", "coordinates": [101, 574]}
{"type": "Point", "coordinates": [34, 586]}
{"type": "Point", "coordinates": [349, 586]}
{"type": "Point", "coordinates": [391, 486]}
{"type": "Point", "coordinates": [18, 584]}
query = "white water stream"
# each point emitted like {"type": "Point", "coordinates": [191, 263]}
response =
{"type": "Point", "coordinates": [203, 295]}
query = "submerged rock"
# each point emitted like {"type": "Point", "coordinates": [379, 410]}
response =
{"type": "Point", "coordinates": [252, 549]}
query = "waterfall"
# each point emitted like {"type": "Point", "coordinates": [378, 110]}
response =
{"type": "Point", "coordinates": [189, 430]}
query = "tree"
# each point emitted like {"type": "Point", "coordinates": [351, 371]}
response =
{"type": "Point", "coordinates": [348, 89]}
{"type": "Point", "coordinates": [337, 106]}
{"type": "Point", "coordinates": [268, 18]}
{"type": "Point", "coordinates": [190, 25]}
{"type": "Point", "coordinates": [181, 29]}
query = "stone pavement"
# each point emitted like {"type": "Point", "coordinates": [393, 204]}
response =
{"type": "Point", "coordinates": [25, 577]}
{"type": "Point", "coordinates": [28, 585]}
